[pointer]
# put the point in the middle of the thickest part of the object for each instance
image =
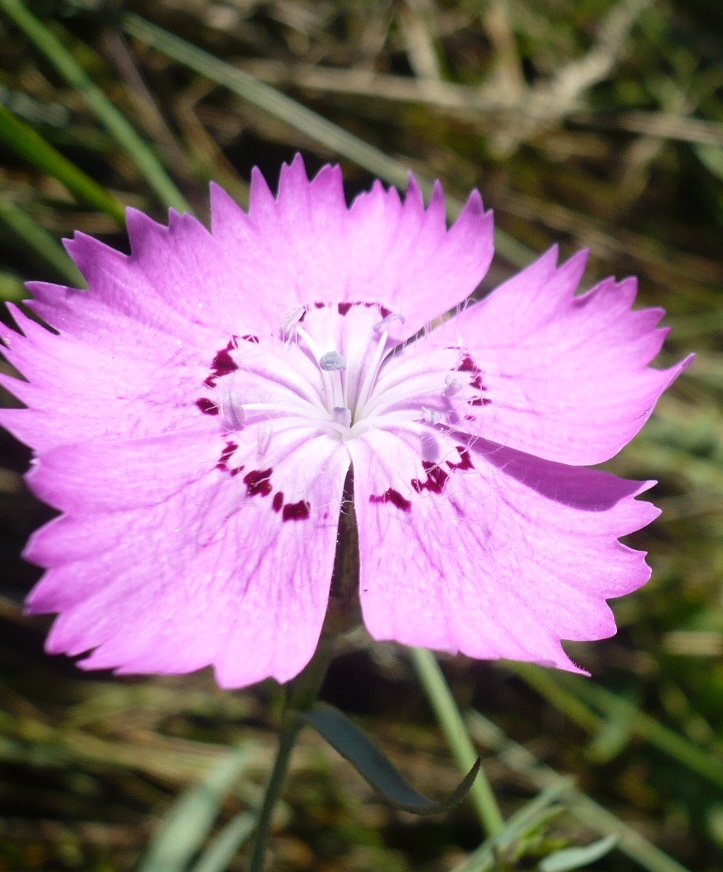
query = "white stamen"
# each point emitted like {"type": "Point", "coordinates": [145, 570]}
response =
{"type": "Point", "coordinates": [290, 319]}
{"type": "Point", "coordinates": [385, 322]}
{"type": "Point", "coordinates": [263, 434]}
{"type": "Point", "coordinates": [232, 411]}
{"type": "Point", "coordinates": [453, 385]}
{"type": "Point", "coordinates": [430, 416]}
{"type": "Point", "coordinates": [341, 415]}
{"type": "Point", "coordinates": [332, 361]}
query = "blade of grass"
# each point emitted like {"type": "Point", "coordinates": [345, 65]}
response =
{"type": "Point", "coordinates": [460, 744]}
{"type": "Point", "coordinates": [45, 246]}
{"type": "Point", "coordinates": [295, 114]}
{"type": "Point", "coordinates": [192, 817]}
{"type": "Point", "coordinates": [116, 123]}
{"type": "Point", "coordinates": [585, 809]}
{"type": "Point", "coordinates": [223, 848]}
{"type": "Point", "coordinates": [34, 149]}
{"type": "Point", "coordinates": [12, 289]}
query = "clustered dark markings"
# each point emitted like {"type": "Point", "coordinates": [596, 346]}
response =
{"type": "Point", "coordinates": [468, 365]}
{"type": "Point", "coordinates": [258, 482]}
{"type": "Point", "coordinates": [222, 464]}
{"type": "Point", "coordinates": [391, 496]}
{"type": "Point", "coordinates": [434, 483]}
{"type": "Point", "coordinates": [343, 308]}
{"type": "Point", "coordinates": [222, 364]}
{"type": "Point", "coordinates": [291, 511]}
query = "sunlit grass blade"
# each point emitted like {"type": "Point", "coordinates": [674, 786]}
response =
{"type": "Point", "coordinates": [12, 289]}
{"type": "Point", "coordinates": [581, 806]}
{"type": "Point", "coordinates": [34, 149]}
{"type": "Point", "coordinates": [460, 744]}
{"type": "Point", "coordinates": [538, 810]}
{"type": "Point", "coordinates": [223, 848]}
{"type": "Point", "coordinates": [305, 120]}
{"type": "Point", "coordinates": [192, 817]}
{"type": "Point", "coordinates": [116, 123]}
{"type": "Point", "coordinates": [45, 246]}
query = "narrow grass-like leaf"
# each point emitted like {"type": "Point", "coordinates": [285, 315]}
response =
{"type": "Point", "coordinates": [356, 747]}
{"type": "Point", "coordinates": [582, 807]}
{"type": "Point", "coordinates": [307, 121]}
{"type": "Point", "coordinates": [12, 289]}
{"type": "Point", "coordinates": [115, 122]}
{"type": "Point", "coordinates": [45, 246]}
{"type": "Point", "coordinates": [540, 809]}
{"type": "Point", "coordinates": [460, 744]}
{"type": "Point", "coordinates": [34, 149]}
{"type": "Point", "coordinates": [192, 817]}
{"type": "Point", "coordinates": [223, 848]}
{"type": "Point", "coordinates": [569, 859]}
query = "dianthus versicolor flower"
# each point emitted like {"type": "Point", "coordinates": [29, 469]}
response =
{"type": "Point", "coordinates": [196, 411]}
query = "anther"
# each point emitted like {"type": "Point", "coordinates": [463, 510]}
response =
{"type": "Point", "coordinates": [290, 319]}
{"type": "Point", "coordinates": [385, 322]}
{"type": "Point", "coordinates": [332, 361]}
{"type": "Point", "coordinates": [452, 385]}
{"type": "Point", "coordinates": [232, 411]}
{"type": "Point", "coordinates": [341, 415]}
{"type": "Point", "coordinates": [430, 416]}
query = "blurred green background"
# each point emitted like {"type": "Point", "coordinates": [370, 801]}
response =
{"type": "Point", "coordinates": [591, 123]}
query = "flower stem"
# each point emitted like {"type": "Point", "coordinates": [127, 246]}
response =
{"type": "Point", "coordinates": [300, 695]}
{"type": "Point", "coordinates": [450, 719]}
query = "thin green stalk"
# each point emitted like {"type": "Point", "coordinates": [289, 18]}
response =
{"type": "Point", "coordinates": [460, 744]}
{"type": "Point", "coordinates": [34, 149]}
{"type": "Point", "coordinates": [287, 740]}
{"type": "Point", "coordinates": [117, 125]}
{"type": "Point", "coordinates": [45, 246]}
{"type": "Point", "coordinates": [301, 695]}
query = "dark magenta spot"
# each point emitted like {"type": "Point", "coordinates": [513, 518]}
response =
{"type": "Point", "coordinates": [249, 337]}
{"type": "Point", "coordinates": [468, 365]}
{"type": "Point", "coordinates": [236, 470]}
{"type": "Point", "coordinates": [476, 383]}
{"type": "Point", "coordinates": [319, 305]}
{"type": "Point", "coordinates": [257, 482]}
{"type": "Point", "coordinates": [436, 478]}
{"type": "Point", "coordinates": [222, 363]}
{"type": "Point", "coordinates": [384, 312]}
{"type": "Point", "coordinates": [278, 501]}
{"type": "Point", "coordinates": [296, 511]}
{"type": "Point", "coordinates": [344, 308]}
{"type": "Point", "coordinates": [464, 459]}
{"type": "Point", "coordinates": [479, 401]}
{"type": "Point", "coordinates": [225, 454]}
{"type": "Point", "coordinates": [391, 496]}
{"type": "Point", "coordinates": [206, 406]}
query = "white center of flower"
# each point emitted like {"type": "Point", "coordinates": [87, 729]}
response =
{"type": "Point", "coordinates": [340, 369]}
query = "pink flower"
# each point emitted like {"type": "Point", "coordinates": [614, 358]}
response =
{"type": "Point", "coordinates": [196, 413]}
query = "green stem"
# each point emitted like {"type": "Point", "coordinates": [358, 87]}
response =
{"type": "Point", "coordinates": [460, 744]}
{"type": "Point", "coordinates": [301, 695]}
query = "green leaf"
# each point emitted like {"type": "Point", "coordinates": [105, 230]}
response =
{"type": "Point", "coordinates": [222, 849]}
{"type": "Point", "coordinates": [34, 149]}
{"type": "Point", "coordinates": [113, 120]}
{"type": "Point", "coordinates": [45, 246]}
{"type": "Point", "coordinates": [192, 818]}
{"type": "Point", "coordinates": [346, 738]}
{"type": "Point", "coordinates": [578, 858]}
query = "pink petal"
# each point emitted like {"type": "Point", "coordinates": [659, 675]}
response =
{"type": "Point", "coordinates": [89, 387]}
{"type": "Point", "coordinates": [306, 246]}
{"type": "Point", "coordinates": [203, 568]}
{"type": "Point", "coordinates": [563, 377]}
{"type": "Point", "coordinates": [492, 553]}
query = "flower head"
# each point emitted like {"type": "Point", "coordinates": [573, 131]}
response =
{"type": "Point", "coordinates": [196, 412]}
